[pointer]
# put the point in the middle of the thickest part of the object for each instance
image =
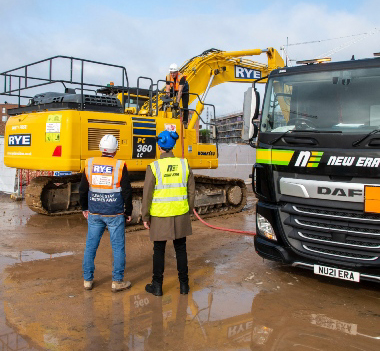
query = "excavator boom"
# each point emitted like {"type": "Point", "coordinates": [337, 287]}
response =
{"type": "Point", "coordinates": [214, 67]}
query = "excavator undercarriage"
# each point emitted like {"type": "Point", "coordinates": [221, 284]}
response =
{"type": "Point", "coordinates": [56, 196]}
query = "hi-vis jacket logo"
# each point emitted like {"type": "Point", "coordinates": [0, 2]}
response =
{"type": "Point", "coordinates": [308, 159]}
{"type": "Point", "coordinates": [246, 73]}
{"type": "Point", "coordinates": [172, 168]}
{"type": "Point", "coordinates": [102, 169]}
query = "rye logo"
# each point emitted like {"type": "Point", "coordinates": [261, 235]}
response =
{"type": "Point", "coordinates": [246, 73]}
{"type": "Point", "coordinates": [308, 159]}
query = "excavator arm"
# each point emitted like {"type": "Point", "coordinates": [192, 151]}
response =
{"type": "Point", "coordinates": [214, 67]}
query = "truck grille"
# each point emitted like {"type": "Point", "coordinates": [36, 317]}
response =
{"type": "Point", "coordinates": [334, 213]}
{"type": "Point", "coordinates": [327, 232]}
{"type": "Point", "coordinates": [332, 226]}
{"type": "Point", "coordinates": [339, 253]}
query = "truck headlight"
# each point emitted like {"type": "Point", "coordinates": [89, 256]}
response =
{"type": "Point", "coordinates": [265, 228]}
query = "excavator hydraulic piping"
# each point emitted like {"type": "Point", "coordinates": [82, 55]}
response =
{"type": "Point", "coordinates": [191, 125]}
{"type": "Point", "coordinates": [242, 53]}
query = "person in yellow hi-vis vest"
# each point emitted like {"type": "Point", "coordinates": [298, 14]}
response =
{"type": "Point", "coordinates": [168, 200]}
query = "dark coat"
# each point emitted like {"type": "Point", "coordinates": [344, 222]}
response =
{"type": "Point", "coordinates": [167, 228]}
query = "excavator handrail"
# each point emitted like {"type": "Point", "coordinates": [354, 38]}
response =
{"type": "Point", "coordinates": [49, 80]}
{"type": "Point", "coordinates": [150, 93]}
{"type": "Point", "coordinates": [211, 124]}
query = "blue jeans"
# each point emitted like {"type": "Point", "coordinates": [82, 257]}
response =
{"type": "Point", "coordinates": [96, 227]}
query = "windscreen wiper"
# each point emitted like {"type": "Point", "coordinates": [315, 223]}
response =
{"type": "Point", "coordinates": [357, 142]}
{"type": "Point", "coordinates": [275, 140]}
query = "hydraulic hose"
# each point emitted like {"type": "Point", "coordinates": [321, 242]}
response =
{"type": "Point", "coordinates": [236, 231]}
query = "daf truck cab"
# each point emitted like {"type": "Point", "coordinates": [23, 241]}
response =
{"type": "Point", "coordinates": [317, 171]}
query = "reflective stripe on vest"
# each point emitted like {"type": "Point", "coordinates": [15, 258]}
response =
{"type": "Point", "coordinates": [170, 191]}
{"type": "Point", "coordinates": [174, 84]}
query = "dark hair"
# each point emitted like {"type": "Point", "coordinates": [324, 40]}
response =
{"type": "Point", "coordinates": [166, 150]}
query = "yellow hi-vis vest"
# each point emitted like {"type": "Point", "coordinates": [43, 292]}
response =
{"type": "Point", "coordinates": [170, 191]}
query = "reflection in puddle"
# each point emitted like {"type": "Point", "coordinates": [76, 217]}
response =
{"type": "Point", "coordinates": [29, 255]}
{"type": "Point", "coordinates": [9, 338]}
{"type": "Point", "coordinates": [26, 256]}
{"type": "Point", "coordinates": [217, 317]}
{"type": "Point", "coordinates": [334, 324]}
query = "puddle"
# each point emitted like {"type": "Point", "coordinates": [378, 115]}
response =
{"type": "Point", "coordinates": [29, 255]}
{"type": "Point", "coordinates": [236, 302]}
{"type": "Point", "coordinates": [10, 339]}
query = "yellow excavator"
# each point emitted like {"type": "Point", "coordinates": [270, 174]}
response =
{"type": "Point", "coordinates": [58, 131]}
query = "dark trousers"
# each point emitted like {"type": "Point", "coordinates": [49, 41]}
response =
{"type": "Point", "coordinates": [185, 104]}
{"type": "Point", "coordinates": [159, 260]}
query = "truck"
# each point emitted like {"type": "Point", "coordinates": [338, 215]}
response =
{"type": "Point", "coordinates": [317, 174]}
{"type": "Point", "coordinates": [59, 130]}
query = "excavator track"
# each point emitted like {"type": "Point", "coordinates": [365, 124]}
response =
{"type": "Point", "coordinates": [54, 196]}
{"type": "Point", "coordinates": [57, 196]}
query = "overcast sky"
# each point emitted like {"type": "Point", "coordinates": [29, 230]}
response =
{"type": "Point", "coordinates": [147, 36]}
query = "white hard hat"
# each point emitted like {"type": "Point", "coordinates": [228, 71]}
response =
{"type": "Point", "coordinates": [108, 144]}
{"type": "Point", "coordinates": [173, 67]}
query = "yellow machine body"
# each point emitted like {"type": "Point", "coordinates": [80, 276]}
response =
{"type": "Point", "coordinates": [33, 139]}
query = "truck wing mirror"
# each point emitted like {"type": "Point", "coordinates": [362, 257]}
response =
{"type": "Point", "coordinates": [250, 114]}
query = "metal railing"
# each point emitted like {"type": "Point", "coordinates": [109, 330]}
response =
{"type": "Point", "coordinates": [25, 81]}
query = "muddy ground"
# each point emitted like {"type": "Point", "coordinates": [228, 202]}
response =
{"type": "Point", "coordinates": [237, 300]}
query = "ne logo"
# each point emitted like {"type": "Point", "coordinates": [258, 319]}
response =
{"type": "Point", "coordinates": [172, 168]}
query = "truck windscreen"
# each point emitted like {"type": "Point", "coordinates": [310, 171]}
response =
{"type": "Point", "coordinates": [341, 100]}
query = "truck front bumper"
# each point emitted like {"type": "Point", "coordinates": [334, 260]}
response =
{"type": "Point", "coordinates": [282, 251]}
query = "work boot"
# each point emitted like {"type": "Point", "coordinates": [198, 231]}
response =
{"type": "Point", "coordinates": [184, 288]}
{"type": "Point", "coordinates": [154, 288]}
{"type": "Point", "coordinates": [119, 286]}
{"type": "Point", "coordinates": [88, 284]}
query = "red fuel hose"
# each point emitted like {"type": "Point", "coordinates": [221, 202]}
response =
{"type": "Point", "coordinates": [224, 229]}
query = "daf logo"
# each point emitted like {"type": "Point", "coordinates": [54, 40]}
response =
{"type": "Point", "coordinates": [324, 190]}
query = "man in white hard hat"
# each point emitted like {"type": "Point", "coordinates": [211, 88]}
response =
{"type": "Point", "coordinates": [178, 87]}
{"type": "Point", "coordinates": [106, 200]}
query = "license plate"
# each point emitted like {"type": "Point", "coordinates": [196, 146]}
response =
{"type": "Point", "coordinates": [337, 273]}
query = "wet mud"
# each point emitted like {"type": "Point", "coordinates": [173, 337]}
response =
{"type": "Point", "coordinates": [237, 301]}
